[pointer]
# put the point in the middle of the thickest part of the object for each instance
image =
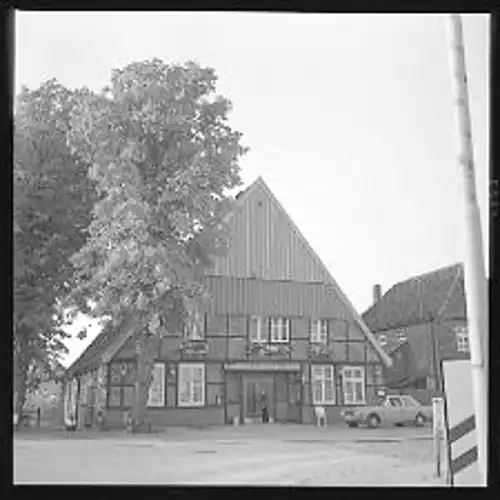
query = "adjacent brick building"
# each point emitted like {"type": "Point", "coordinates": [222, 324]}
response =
{"type": "Point", "coordinates": [420, 322]}
{"type": "Point", "coordinates": [278, 327]}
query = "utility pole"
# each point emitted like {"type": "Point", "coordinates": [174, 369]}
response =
{"type": "Point", "coordinates": [474, 269]}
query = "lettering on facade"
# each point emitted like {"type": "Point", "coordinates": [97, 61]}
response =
{"type": "Point", "coordinates": [266, 349]}
{"type": "Point", "coordinates": [320, 351]}
{"type": "Point", "coordinates": [196, 350]}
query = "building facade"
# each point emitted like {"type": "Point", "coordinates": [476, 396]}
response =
{"type": "Point", "coordinates": [278, 332]}
{"type": "Point", "coordinates": [419, 323]}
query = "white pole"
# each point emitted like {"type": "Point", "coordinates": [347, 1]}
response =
{"type": "Point", "coordinates": [474, 270]}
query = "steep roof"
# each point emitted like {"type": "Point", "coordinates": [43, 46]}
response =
{"type": "Point", "coordinates": [91, 356]}
{"type": "Point", "coordinates": [420, 299]}
{"type": "Point", "coordinates": [108, 340]}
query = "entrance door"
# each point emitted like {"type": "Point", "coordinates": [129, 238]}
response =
{"type": "Point", "coordinates": [255, 386]}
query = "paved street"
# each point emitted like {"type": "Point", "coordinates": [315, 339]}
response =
{"type": "Point", "coordinates": [249, 455]}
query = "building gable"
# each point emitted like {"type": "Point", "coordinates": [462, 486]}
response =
{"type": "Point", "coordinates": [421, 299]}
{"type": "Point", "coordinates": [265, 244]}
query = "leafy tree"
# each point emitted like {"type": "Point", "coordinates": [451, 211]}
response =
{"type": "Point", "coordinates": [53, 198]}
{"type": "Point", "coordinates": [163, 159]}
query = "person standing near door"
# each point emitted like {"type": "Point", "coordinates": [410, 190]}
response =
{"type": "Point", "coordinates": [264, 407]}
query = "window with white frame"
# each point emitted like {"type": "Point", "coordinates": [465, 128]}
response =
{"type": "Point", "coordinates": [195, 330]}
{"type": "Point", "coordinates": [382, 340]}
{"type": "Point", "coordinates": [191, 388]}
{"type": "Point", "coordinates": [257, 331]}
{"type": "Point", "coordinates": [156, 395]}
{"type": "Point", "coordinates": [323, 384]}
{"type": "Point", "coordinates": [319, 331]}
{"type": "Point", "coordinates": [353, 385]}
{"type": "Point", "coordinates": [280, 329]}
{"type": "Point", "coordinates": [462, 336]}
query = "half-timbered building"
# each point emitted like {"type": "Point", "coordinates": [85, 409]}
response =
{"type": "Point", "coordinates": [278, 329]}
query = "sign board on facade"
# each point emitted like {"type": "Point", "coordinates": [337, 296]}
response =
{"type": "Point", "coordinates": [461, 433]}
{"type": "Point", "coordinates": [263, 367]}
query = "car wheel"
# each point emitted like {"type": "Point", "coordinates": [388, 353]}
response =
{"type": "Point", "coordinates": [420, 420]}
{"type": "Point", "coordinates": [373, 421]}
{"type": "Point", "coordinates": [352, 424]}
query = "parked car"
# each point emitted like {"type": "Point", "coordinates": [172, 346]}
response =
{"type": "Point", "coordinates": [395, 409]}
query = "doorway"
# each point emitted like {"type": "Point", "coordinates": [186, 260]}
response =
{"type": "Point", "coordinates": [257, 389]}
{"type": "Point", "coordinates": [294, 392]}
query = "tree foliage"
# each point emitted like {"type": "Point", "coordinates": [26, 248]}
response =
{"type": "Point", "coordinates": [53, 198]}
{"type": "Point", "coordinates": [163, 157]}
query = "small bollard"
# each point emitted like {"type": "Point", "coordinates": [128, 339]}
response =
{"type": "Point", "coordinates": [437, 430]}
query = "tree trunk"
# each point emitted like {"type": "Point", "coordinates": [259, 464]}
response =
{"type": "Point", "coordinates": [100, 384]}
{"type": "Point", "coordinates": [21, 365]}
{"type": "Point", "coordinates": [146, 348]}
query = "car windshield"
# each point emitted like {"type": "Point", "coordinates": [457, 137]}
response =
{"type": "Point", "coordinates": [409, 401]}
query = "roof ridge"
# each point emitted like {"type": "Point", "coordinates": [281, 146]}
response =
{"type": "Point", "coordinates": [429, 273]}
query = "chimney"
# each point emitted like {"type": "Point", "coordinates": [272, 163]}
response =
{"type": "Point", "coordinates": [377, 293]}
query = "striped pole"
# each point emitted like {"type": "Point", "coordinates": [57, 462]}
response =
{"type": "Point", "coordinates": [474, 269]}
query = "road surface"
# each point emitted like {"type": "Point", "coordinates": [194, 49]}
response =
{"type": "Point", "coordinates": [249, 455]}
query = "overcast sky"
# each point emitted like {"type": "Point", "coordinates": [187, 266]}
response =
{"type": "Point", "coordinates": [349, 119]}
